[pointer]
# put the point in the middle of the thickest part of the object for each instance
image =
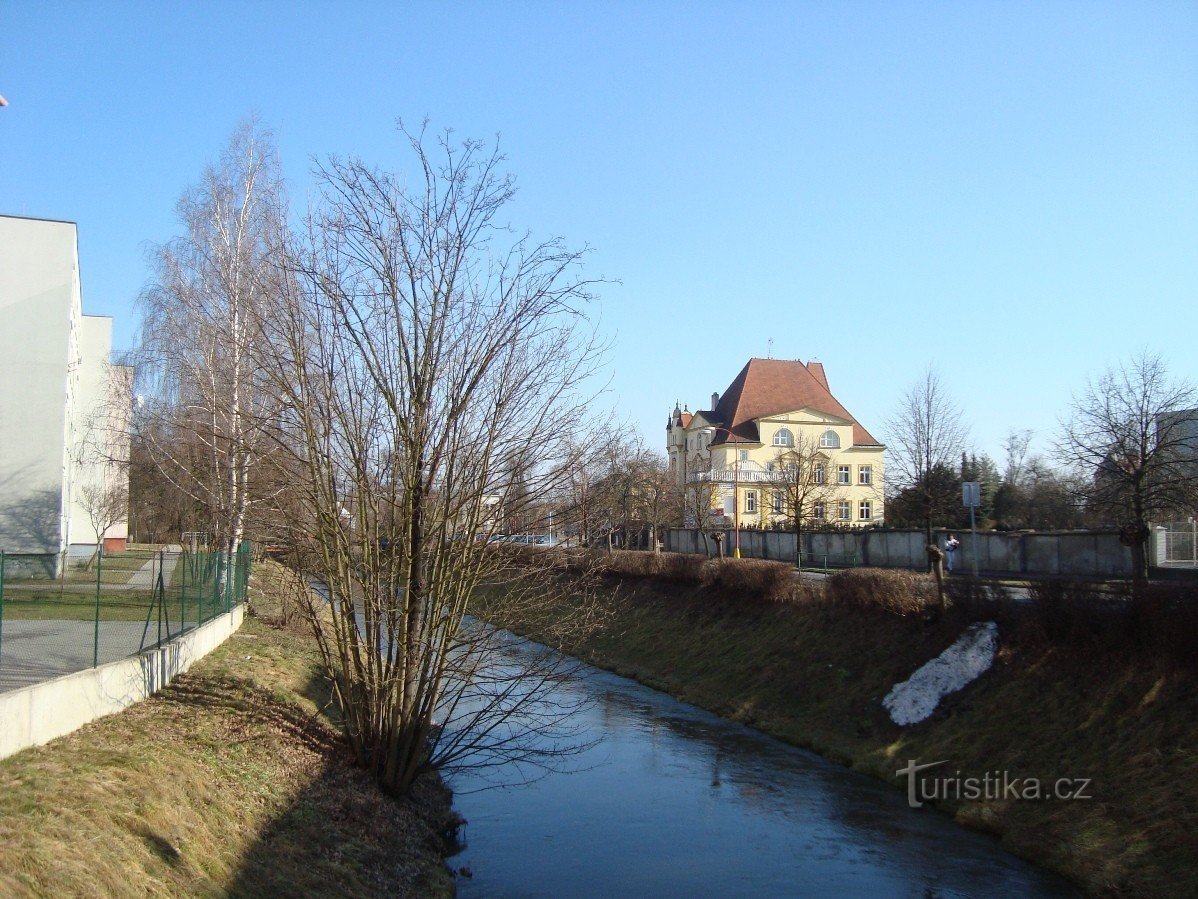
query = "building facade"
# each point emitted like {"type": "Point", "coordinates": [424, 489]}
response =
{"type": "Point", "coordinates": [64, 407]}
{"type": "Point", "coordinates": [775, 449]}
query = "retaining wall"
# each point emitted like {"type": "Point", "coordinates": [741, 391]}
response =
{"type": "Point", "coordinates": [1096, 554]}
{"type": "Point", "coordinates": [35, 715]}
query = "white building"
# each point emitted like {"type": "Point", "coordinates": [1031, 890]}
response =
{"type": "Point", "coordinates": [64, 444]}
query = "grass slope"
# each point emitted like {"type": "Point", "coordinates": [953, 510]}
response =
{"type": "Point", "coordinates": [229, 782]}
{"type": "Point", "coordinates": [814, 674]}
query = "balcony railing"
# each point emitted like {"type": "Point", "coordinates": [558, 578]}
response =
{"type": "Point", "coordinates": [731, 475]}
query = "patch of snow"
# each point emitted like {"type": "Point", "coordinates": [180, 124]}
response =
{"type": "Point", "coordinates": [970, 657]}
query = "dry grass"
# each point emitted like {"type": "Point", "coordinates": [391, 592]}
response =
{"type": "Point", "coordinates": [230, 782]}
{"type": "Point", "coordinates": [889, 590]}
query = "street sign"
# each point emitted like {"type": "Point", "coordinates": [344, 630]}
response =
{"type": "Point", "coordinates": [971, 494]}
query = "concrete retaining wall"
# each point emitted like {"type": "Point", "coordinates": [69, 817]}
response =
{"type": "Point", "coordinates": [35, 715]}
{"type": "Point", "coordinates": [1097, 554]}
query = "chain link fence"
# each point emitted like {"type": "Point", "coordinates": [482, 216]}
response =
{"type": "Point", "coordinates": [110, 606]}
{"type": "Point", "coordinates": [1177, 543]}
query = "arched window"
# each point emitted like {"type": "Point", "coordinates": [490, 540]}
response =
{"type": "Point", "coordinates": [829, 440]}
{"type": "Point", "coordinates": [783, 437]}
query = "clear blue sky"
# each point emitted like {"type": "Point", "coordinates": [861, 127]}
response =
{"type": "Point", "coordinates": [1007, 191]}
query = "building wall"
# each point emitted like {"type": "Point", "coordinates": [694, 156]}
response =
{"type": "Point", "coordinates": [99, 434]}
{"type": "Point", "coordinates": [39, 312]}
{"type": "Point", "coordinates": [690, 453]}
{"type": "Point", "coordinates": [56, 393]}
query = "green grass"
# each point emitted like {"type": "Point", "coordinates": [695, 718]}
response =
{"type": "Point", "coordinates": [50, 603]}
{"type": "Point", "coordinates": [814, 674]}
{"type": "Point", "coordinates": [231, 782]}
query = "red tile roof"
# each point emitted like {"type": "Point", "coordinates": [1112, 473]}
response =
{"type": "Point", "coordinates": [767, 387]}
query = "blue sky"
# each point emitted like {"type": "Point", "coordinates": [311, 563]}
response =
{"type": "Point", "coordinates": [1005, 191]}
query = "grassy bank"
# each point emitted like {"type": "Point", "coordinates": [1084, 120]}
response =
{"type": "Point", "coordinates": [813, 672]}
{"type": "Point", "coordinates": [230, 782]}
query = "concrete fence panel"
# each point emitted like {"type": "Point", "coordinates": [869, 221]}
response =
{"type": "Point", "coordinates": [1078, 554]}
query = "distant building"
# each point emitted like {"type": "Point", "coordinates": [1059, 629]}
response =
{"type": "Point", "coordinates": [777, 444]}
{"type": "Point", "coordinates": [63, 406]}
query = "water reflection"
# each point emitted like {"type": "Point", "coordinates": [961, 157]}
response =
{"type": "Point", "coordinates": [674, 801]}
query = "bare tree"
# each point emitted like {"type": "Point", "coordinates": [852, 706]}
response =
{"type": "Point", "coordinates": [203, 407]}
{"type": "Point", "coordinates": [426, 365]}
{"type": "Point", "coordinates": [807, 488]}
{"type": "Point", "coordinates": [1128, 435]}
{"type": "Point", "coordinates": [926, 436]}
{"type": "Point", "coordinates": [1015, 446]}
{"type": "Point", "coordinates": [102, 455]}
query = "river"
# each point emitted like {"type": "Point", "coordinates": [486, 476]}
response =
{"type": "Point", "coordinates": [674, 801]}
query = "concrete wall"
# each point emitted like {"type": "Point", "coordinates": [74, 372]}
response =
{"type": "Point", "coordinates": [1070, 553]}
{"type": "Point", "coordinates": [35, 715]}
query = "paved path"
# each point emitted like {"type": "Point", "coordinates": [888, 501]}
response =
{"type": "Point", "coordinates": [38, 649]}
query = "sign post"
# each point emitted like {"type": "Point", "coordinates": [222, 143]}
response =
{"type": "Point", "coordinates": [971, 497]}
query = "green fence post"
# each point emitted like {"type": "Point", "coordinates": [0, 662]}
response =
{"type": "Point", "coordinates": [1, 603]}
{"type": "Point", "coordinates": [96, 633]}
{"type": "Point", "coordinates": [161, 595]}
{"type": "Point", "coordinates": [182, 594]}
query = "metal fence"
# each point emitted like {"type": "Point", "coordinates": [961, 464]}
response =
{"type": "Point", "coordinates": [110, 606]}
{"type": "Point", "coordinates": [1177, 543]}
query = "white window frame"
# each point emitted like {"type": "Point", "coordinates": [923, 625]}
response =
{"type": "Point", "coordinates": [742, 455]}
{"type": "Point", "coordinates": [829, 440]}
{"type": "Point", "coordinates": [750, 502]}
{"type": "Point", "coordinates": [783, 437]}
{"type": "Point", "coordinates": [819, 510]}
{"type": "Point", "coordinates": [844, 510]}
{"type": "Point", "coordinates": [778, 503]}
{"type": "Point", "coordinates": [865, 510]}
{"type": "Point", "coordinates": [865, 475]}
{"type": "Point", "coordinates": [844, 475]}
{"type": "Point", "coordinates": [820, 473]}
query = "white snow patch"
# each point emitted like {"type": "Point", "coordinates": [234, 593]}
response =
{"type": "Point", "coordinates": [970, 657]}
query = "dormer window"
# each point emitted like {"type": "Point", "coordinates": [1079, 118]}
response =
{"type": "Point", "coordinates": [783, 437]}
{"type": "Point", "coordinates": [829, 440]}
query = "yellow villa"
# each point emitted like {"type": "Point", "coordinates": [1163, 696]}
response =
{"type": "Point", "coordinates": [776, 447]}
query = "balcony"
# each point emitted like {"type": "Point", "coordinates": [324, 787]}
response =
{"type": "Point", "coordinates": [748, 473]}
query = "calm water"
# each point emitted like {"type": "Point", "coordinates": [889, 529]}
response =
{"type": "Point", "coordinates": [674, 801]}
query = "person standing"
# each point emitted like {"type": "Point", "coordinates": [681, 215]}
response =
{"type": "Point", "coordinates": [950, 551]}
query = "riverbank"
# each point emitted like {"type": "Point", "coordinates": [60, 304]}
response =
{"type": "Point", "coordinates": [232, 781]}
{"type": "Point", "coordinates": [813, 673]}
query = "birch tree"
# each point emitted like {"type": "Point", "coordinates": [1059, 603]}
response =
{"type": "Point", "coordinates": [202, 406]}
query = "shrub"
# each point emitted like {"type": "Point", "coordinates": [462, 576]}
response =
{"type": "Point", "coordinates": [676, 567]}
{"type": "Point", "coordinates": [979, 600]}
{"type": "Point", "coordinates": [770, 581]}
{"type": "Point", "coordinates": [1076, 613]}
{"type": "Point", "coordinates": [893, 591]}
{"type": "Point", "coordinates": [1165, 622]}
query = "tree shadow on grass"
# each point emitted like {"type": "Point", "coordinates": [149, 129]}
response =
{"type": "Point", "coordinates": [338, 834]}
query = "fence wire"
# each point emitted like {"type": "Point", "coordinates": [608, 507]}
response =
{"type": "Point", "coordinates": [111, 606]}
{"type": "Point", "coordinates": [1180, 542]}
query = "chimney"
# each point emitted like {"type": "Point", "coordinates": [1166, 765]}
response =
{"type": "Point", "coordinates": [715, 399]}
